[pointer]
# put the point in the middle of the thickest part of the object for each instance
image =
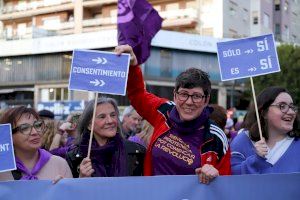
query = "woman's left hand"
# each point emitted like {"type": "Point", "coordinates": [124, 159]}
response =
{"type": "Point", "coordinates": [207, 173]}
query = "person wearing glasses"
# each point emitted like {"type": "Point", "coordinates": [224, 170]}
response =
{"type": "Point", "coordinates": [184, 140]}
{"type": "Point", "coordinates": [111, 155]}
{"type": "Point", "coordinates": [32, 162]}
{"type": "Point", "coordinates": [278, 150]}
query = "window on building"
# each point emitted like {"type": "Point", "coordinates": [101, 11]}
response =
{"type": "Point", "coordinates": [51, 23]}
{"type": "Point", "coordinates": [9, 31]}
{"type": "Point", "coordinates": [53, 94]}
{"type": "Point", "coordinates": [255, 20]}
{"type": "Point", "coordinates": [266, 20]}
{"type": "Point", "coordinates": [255, 17]}
{"type": "Point", "coordinates": [277, 4]}
{"type": "Point", "coordinates": [166, 63]}
{"type": "Point", "coordinates": [277, 29]}
{"type": "Point", "coordinates": [21, 29]}
{"type": "Point", "coordinates": [22, 5]}
{"type": "Point", "coordinates": [34, 4]}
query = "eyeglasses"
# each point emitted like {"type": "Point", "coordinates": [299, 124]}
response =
{"type": "Point", "coordinates": [26, 129]}
{"type": "Point", "coordinates": [196, 98]}
{"type": "Point", "coordinates": [284, 108]}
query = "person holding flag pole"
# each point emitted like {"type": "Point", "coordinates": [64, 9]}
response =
{"type": "Point", "coordinates": [270, 144]}
{"type": "Point", "coordinates": [184, 141]}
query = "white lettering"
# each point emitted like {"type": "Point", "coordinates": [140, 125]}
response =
{"type": "Point", "coordinates": [262, 45]}
{"type": "Point", "coordinates": [231, 52]}
{"type": "Point", "coordinates": [4, 147]}
{"type": "Point", "coordinates": [99, 72]}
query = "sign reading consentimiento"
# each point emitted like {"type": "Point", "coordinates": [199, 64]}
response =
{"type": "Point", "coordinates": [7, 156]}
{"type": "Point", "coordinates": [247, 57]}
{"type": "Point", "coordinates": [99, 71]}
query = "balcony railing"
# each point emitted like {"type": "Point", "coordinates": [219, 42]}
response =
{"type": "Point", "coordinates": [180, 13]}
{"type": "Point", "coordinates": [172, 18]}
{"type": "Point", "coordinates": [32, 5]}
{"type": "Point", "coordinates": [99, 21]}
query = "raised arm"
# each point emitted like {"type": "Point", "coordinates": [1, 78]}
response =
{"type": "Point", "coordinates": [145, 103]}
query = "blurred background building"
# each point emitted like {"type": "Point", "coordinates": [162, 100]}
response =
{"type": "Point", "coordinates": [37, 38]}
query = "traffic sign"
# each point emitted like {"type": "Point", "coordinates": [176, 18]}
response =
{"type": "Point", "coordinates": [7, 155]}
{"type": "Point", "coordinates": [247, 57]}
{"type": "Point", "coordinates": [99, 71]}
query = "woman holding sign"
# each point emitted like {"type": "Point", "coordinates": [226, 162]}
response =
{"type": "Point", "coordinates": [278, 150]}
{"type": "Point", "coordinates": [32, 161]}
{"type": "Point", "coordinates": [184, 140]}
{"type": "Point", "coordinates": [111, 155]}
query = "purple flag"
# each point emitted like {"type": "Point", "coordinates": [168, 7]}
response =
{"type": "Point", "coordinates": [138, 22]}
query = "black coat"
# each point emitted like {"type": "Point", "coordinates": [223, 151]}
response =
{"type": "Point", "coordinates": [134, 155]}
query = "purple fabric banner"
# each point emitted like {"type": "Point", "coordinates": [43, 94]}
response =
{"type": "Point", "coordinates": [138, 23]}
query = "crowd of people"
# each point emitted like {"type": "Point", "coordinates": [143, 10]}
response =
{"type": "Point", "coordinates": [157, 136]}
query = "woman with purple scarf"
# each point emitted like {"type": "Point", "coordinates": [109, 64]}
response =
{"type": "Point", "coordinates": [33, 163]}
{"type": "Point", "coordinates": [184, 140]}
{"type": "Point", "coordinates": [111, 155]}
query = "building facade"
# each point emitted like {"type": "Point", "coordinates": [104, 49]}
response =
{"type": "Point", "coordinates": [37, 38]}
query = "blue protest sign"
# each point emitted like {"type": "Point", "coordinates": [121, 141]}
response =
{"type": "Point", "coordinates": [247, 57]}
{"type": "Point", "coordinates": [7, 156]}
{"type": "Point", "coordinates": [99, 71]}
{"type": "Point", "coordinates": [246, 187]}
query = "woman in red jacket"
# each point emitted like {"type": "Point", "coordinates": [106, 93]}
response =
{"type": "Point", "coordinates": [184, 141]}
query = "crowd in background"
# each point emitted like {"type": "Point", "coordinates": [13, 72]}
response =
{"type": "Point", "coordinates": [157, 136]}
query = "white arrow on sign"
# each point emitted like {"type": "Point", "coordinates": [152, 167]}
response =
{"type": "Point", "coordinates": [252, 69]}
{"type": "Point", "coordinates": [96, 82]}
{"type": "Point", "coordinates": [249, 51]}
{"type": "Point", "coordinates": [100, 60]}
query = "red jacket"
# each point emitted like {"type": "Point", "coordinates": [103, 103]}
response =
{"type": "Point", "coordinates": [215, 149]}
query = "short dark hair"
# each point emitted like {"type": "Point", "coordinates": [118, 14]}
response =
{"type": "Point", "coordinates": [46, 114]}
{"type": "Point", "coordinates": [264, 99]}
{"type": "Point", "coordinates": [192, 78]}
{"type": "Point", "coordinates": [12, 115]}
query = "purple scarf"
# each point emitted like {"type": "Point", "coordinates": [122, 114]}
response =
{"type": "Point", "coordinates": [108, 160]}
{"type": "Point", "coordinates": [186, 127]}
{"type": "Point", "coordinates": [44, 157]}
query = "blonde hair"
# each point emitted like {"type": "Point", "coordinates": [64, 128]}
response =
{"type": "Point", "coordinates": [51, 130]}
{"type": "Point", "coordinates": [146, 133]}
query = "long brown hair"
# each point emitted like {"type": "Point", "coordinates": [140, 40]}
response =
{"type": "Point", "coordinates": [264, 100]}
